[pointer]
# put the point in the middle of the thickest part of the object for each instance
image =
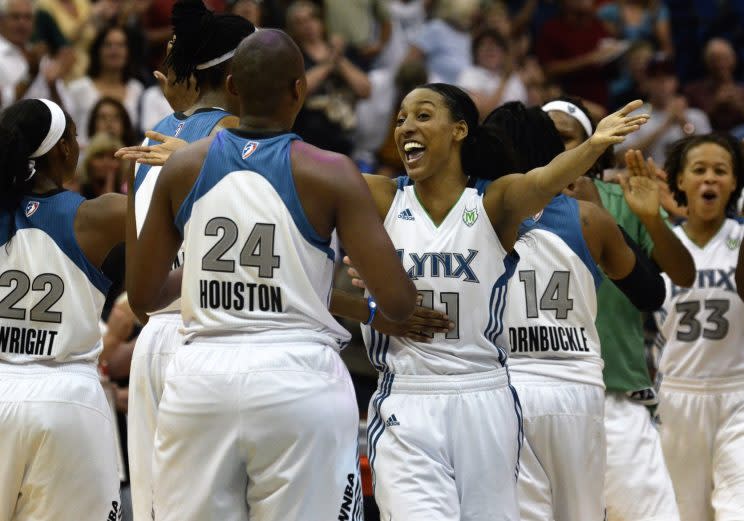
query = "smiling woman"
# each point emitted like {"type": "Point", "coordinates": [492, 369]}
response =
{"type": "Point", "coordinates": [455, 234]}
{"type": "Point", "coordinates": [701, 400]}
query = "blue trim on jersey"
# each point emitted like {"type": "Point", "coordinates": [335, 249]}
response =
{"type": "Point", "coordinates": [377, 426]}
{"type": "Point", "coordinates": [55, 216]}
{"type": "Point", "coordinates": [189, 128]}
{"type": "Point", "coordinates": [481, 184]}
{"type": "Point", "coordinates": [561, 217]}
{"type": "Point", "coordinates": [269, 158]}
{"type": "Point", "coordinates": [377, 352]}
{"type": "Point", "coordinates": [497, 304]}
{"type": "Point", "coordinates": [403, 181]}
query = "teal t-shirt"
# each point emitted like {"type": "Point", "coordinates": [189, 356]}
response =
{"type": "Point", "coordinates": [619, 322]}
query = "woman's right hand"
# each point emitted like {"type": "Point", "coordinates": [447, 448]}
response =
{"type": "Point", "coordinates": [154, 155]}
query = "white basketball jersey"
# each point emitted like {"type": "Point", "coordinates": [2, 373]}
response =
{"type": "Point", "coordinates": [253, 262]}
{"type": "Point", "coordinates": [460, 268]}
{"type": "Point", "coordinates": [51, 296]}
{"type": "Point", "coordinates": [549, 318]}
{"type": "Point", "coordinates": [189, 128]}
{"type": "Point", "coordinates": [702, 328]}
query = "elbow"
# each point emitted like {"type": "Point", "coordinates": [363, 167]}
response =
{"type": "Point", "coordinates": [398, 305]}
{"type": "Point", "coordinates": [643, 286]}
{"type": "Point", "coordinates": [685, 279]}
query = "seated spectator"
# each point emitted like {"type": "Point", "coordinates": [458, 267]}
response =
{"type": "Point", "coordinates": [671, 119]}
{"type": "Point", "coordinates": [574, 50]}
{"type": "Point", "coordinates": [718, 94]}
{"type": "Point", "coordinates": [628, 86]}
{"type": "Point", "coordinates": [334, 83]}
{"type": "Point", "coordinates": [109, 75]}
{"type": "Point", "coordinates": [444, 42]}
{"type": "Point", "coordinates": [24, 70]}
{"type": "Point", "coordinates": [636, 20]}
{"type": "Point", "coordinates": [101, 172]}
{"type": "Point", "coordinates": [109, 116]}
{"type": "Point", "coordinates": [491, 80]}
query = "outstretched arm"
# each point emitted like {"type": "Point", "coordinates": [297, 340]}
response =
{"type": "Point", "coordinates": [642, 195]}
{"type": "Point", "coordinates": [513, 198]}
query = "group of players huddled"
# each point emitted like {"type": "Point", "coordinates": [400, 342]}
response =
{"type": "Point", "coordinates": [490, 300]}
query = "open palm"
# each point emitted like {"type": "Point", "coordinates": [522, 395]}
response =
{"type": "Point", "coordinates": [613, 128]}
{"type": "Point", "coordinates": [639, 184]}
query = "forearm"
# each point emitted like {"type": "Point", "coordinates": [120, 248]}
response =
{"type": "Point", "coordinates": [355, 77]}
{"type": "Point", "coordinates": [550, 179]}
{"type": "Point", "coordinates": [349, 306]}
{"type": "Point", "coordinates": [643, 286]}
{"type": "Point", "coordinates": [669, 253]}
{"type": "Point", "coordinates": [316, 76]}
{"type": "Point", "coordinates": [562, 67]}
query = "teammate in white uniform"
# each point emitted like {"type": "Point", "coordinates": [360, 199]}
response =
{"type": "Point", "coordinates": [258, 401]}
{"type": "Point", "coordinates": [444, 426]}
{"type": "Point", "coordinates": [56, 429]}
{"type": "Point", "coordinates": [554, 349]}
{"type": "Point", "coordinates": [701, 399]}
{"type": "Point", "coordinates": [637, 482]}
{"type": "Point", "coordinates": [208, 58]}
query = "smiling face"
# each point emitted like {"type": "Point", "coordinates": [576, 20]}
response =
{"type": "Point", "coordinates": [427, 138]}
{"type": "Point", "coordinates": [708, 180]}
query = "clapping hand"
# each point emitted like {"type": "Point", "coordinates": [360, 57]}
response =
{"type": "Point", "coordinates": [640, 186]}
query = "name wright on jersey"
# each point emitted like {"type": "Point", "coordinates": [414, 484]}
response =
{"type": "Point", "coordinates": [27, 341]}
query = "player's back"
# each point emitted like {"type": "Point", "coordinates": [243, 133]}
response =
{"type": "Point", "coordinates": [460, 268]}
{"type": "Point", "coordinates": [189, 128]}
{"type": "Point", "coordinates": [701, 331]}
{"type": "Point", "coordinates": [253, 262]}
{"type": "Point", "coordinates": [51, 295]}
{"type": "Point", "coordinates": [551, 307]}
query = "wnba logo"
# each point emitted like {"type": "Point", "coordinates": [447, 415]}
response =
{"type": "Point", "coordinates": [249, 148]}
{"type": "Point", "coordinates": [31, 208]}
{"type": "Point", "coordinates": [179, 128]}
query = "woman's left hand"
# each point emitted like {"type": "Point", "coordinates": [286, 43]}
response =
{"type": "Point", "coordinates": [155, 155]}
{"type": "Point", "coordinates": [613, 128]}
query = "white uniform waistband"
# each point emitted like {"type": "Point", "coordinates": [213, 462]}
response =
{"type": "Point", "coordinates": [445, 384]}
{"type": "Point", "coordinates": [266, 338]}
{"type": "Point", "coordinates": [702, 385]}
{"type": "Point", "coordinates": [49, 368]}
{"type": "Point", "coordinates": [172, 318]}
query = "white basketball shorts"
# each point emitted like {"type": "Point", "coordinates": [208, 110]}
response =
{"type": "Point", "coordinates": [445, 447]}
{"type": "Point", "coordinates": [637, 483]}
{"type": "Point", "coordinates": [562, 467]}
{"type": "Point", "coordinates": [57, 444]}
{"type": "Point", "coordinates": [260, 431]}
{"type": "Point", "coordinates": [155, 346]}
{"type": "Point", "coordinates": [702, 433]}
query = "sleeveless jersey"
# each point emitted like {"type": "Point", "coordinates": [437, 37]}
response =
{"type": "Point", "coordinates": [701, 328]}
{"type": "Point", "coordinates": [51, 296]}
{"type": "Point", "coordinates": [253, 262]}
{"type": "Point", "coordinates": [189, 128]}
{"type": "Point", "coordinates": [549, 319]}
{"type": "Point", "coordinates": [460, 268]}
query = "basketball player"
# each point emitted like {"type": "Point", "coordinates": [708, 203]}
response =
{"type": "Point", "coordinates": [555, 357]}
{"type": "Point", "coordinates": [444, 424]}
{"type": "Point", "coordinates": [701, 398]}
{"type": "Point", "coordinates": [56, 429]}
{"type": "Point", "coordinates": [740, 273]}
{"type": "Point", "coordinates": [258, 418]}
{"type": "Point", "coordinates": [637, 484]}
{"type": "Point", "coordinates": [203, 46]}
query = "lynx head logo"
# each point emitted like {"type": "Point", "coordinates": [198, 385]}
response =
{"type": "Point", "coordinates": [732, 243]}
{"type": "Point", "coordinates": [470, 216]}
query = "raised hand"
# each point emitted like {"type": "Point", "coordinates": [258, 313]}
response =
{"type": "Point", "coordinates": [613, 128]}
{"type": "Point", "coordinates": [155, 155]}
{"type": "Point", "coordinates": [639, 184]}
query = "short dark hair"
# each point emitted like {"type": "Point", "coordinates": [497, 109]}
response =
{"type": "Point", "coordinates": [488, 34]}
{"type": "Point", "coordinates": [128, 136]}
{"type": "Point", "coordinates": [677, 159]}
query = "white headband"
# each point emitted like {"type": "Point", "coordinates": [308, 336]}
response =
{"type": "Point", "coordinates": [572, 110]}
{"type": "Point", "coordinates": [56, 129]}
{"type": "Point", "coordinates": [216, 61]}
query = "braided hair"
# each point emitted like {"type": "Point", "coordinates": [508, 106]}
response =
{"type": "Point", "coordinates": [199, 36]}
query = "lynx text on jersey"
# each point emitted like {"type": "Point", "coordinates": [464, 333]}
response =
{"type": "Point", "coordinates": [27, 341]}
{"type": "Point", "coordinates": [240, 296]}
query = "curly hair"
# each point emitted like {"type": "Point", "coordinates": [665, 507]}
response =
{"type": "Point", "coordinates": [677, 159]}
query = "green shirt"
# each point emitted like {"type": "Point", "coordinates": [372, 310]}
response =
{"type": "Point", "coordinates": [619, 322]}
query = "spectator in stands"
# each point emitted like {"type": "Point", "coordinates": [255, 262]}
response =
{"type": "Point", "coordinates": [109, 116]}
{"type": "Point", "coordinates": [23, 70]}
{"type": "Point", "coordinates": [636, 20]}
{"type": "Point", "coordinates": [574, 49]}
{"type": "Point", "coordinates": [629, 85]}
{"type": "Point", "coordinates": [718, 94]}
{"type": "Point", "coordinates": [109, 75]}
{"type": "Point", "coordinates": [334, 83]}
{"type": "Point", "coordinates": [671, 119]}
{"type": "Point", "coordinates": [363, 24]}
{"type": "Point", "coordinates": [491, 80]}
{"type": "Point", "coordinates": [101, 172]}
{"type": "Point", "coordinates": [444, 42]}
{"type": "Point", "coordinates": [248, 9]}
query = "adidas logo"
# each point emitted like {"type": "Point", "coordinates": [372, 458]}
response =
{"type": "Point", "coordinates": [406, 215]}
{"type": "Point", "coordinates": [392, 421]}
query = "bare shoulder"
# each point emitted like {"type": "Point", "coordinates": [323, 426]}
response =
{"type": "Point", "coordinates": [104, 208]}
{"type": "Point", "coordinates": [323, 168]}
{"type": "Point", "coordinates": [226, 122]}
{"type": "Point", "coordinates": [594, 215]}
